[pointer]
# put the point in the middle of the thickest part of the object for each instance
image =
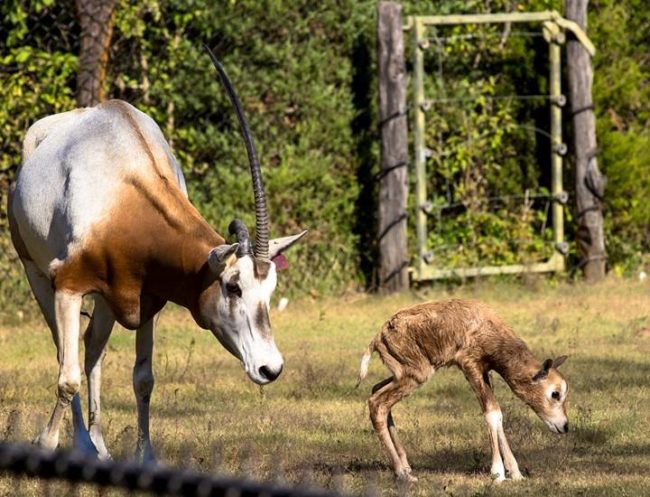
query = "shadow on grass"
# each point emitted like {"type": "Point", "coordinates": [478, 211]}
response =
{"type": "Point", "coordinates": [592, 373]}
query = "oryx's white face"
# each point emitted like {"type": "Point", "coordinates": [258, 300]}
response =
{"type": "Point", "coordinates": [235, 304]}
{"type": "Point", "coordinates": [240, 318]}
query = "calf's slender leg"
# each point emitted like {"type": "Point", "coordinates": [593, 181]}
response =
{"type": "Point", "coordinates": [480, 383]}
{"type": "Point", "coordinates": [386, 395]}
{"type": "Point", "coordinates": [143, 382]}
{"type": "Point", "coordinates": [508, 457]}
{"type": "Point", "coordinates": [392, 429]}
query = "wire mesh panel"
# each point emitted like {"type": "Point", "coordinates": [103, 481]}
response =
{"type": "Point", "coordinates": [485, 203]}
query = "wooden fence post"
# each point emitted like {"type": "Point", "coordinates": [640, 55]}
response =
{"type": "Point", "coordinates": [590, 183]}
{"type": "Point", "coordinates": [393, 187]}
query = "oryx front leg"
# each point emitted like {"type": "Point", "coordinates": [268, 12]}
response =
{"type": "Point", "coordinates": [386, 395]}
{"type": "Point", "coordinates": [67, 307]}
{"type": "Point", "coordinates": [143, 382]}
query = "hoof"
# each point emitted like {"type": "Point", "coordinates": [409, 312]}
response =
{"type": "Point", "coordinates": [516, 476]}
{"type": "Point", "coordinates": [146, 455]}
{"type": "Point", "coordinates": [45, 442]}
{"type": "Point", "coordinates": [104, 456]}
{"type": "Point", "coordinates": [498, 478]}
{"type": "Point", "coordinates": [406, 477]}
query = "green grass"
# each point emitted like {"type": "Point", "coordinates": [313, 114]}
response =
{"type": "Point", "coordinates": [313, 424]}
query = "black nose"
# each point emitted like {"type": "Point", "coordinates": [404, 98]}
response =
{"type": "Point", "coordinates": [566, 427]}
{"type": "Point", "coordinates": [267, 374]}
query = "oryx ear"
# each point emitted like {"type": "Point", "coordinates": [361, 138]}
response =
{"type": "Point", "coordinates": [279, 245]}
{"type": "Point", "coordinates": [558, 361]}
{"type": "Point", "coordinates": [543, 373]}
{"type": "Point", "coordinates": [219, 256]}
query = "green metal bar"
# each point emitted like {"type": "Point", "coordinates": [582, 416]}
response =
{"type": "Point", "coordinates": [420, 148]}
{"type": "Point", "coordinates": [548, 15]}
{"type": "Point", "coordinates": [544, 16]}
{"type": "Point", "coordinates": [429, 272]}
{"type": "Point", "coordinates": [555, 86]}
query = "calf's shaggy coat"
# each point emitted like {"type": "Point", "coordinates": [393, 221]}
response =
{"type": "Point", "coordinates": [420, 339]}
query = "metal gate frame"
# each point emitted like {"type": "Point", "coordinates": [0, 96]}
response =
{"type": "Point", "coordinates": [554, 26]}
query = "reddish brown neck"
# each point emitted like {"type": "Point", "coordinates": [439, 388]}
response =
{"type": "Point", "coordinates": [514, 361]}
{"type": "Point", "coordinates": [177, 267]}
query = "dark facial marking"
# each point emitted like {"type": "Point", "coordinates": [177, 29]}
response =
{"type": "Point", "coordinates": [262, 321]}
{"type": "Point", "coordinates": [261, 268]}
{"type": "Point", "coordinates": [232, 300]}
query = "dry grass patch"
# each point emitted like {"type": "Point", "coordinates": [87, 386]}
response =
{"type": "Point", "coordinates": [313, 424]}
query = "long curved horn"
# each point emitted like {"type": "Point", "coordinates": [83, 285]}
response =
{"type": "Point", "coordinates": [261, 213]}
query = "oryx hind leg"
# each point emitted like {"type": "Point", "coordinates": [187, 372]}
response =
{"type": "Point", "coordinates": [61, 312]}
{"type": "Point", "coordinates": [95, 339]}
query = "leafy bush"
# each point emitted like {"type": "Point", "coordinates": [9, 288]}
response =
{"type": "Point", "coordinates": [305, 71]}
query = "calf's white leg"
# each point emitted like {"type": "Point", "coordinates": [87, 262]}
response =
{"type": "Point", "coordinates": [493, 419]}
{"type": "Point", "coordinates": [508, 457]}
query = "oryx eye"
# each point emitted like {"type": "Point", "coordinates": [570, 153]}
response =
{"type": "Point", "coordinates": [233, 289]}
{"type": "Point", "coordinates": [556, 395]}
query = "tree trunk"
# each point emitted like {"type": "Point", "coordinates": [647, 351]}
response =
{"type": "Point", "coordinates": [590, 183]}
{"type": "Point", "coordinates": [96, 20]}
{"type": "Point", "coordinates": [393, 189]}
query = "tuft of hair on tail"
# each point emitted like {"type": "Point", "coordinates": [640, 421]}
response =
{"type": "Point", "coordinates": [365, 360]}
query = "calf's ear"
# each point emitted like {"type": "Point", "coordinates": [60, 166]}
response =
{"type": "Point", "coordinates": [543, 373]}
{"type": "Point", "coordinates": [558, 361]}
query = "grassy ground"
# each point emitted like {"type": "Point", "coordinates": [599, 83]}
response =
{"type": "Point", "coordinates": [313, 424]}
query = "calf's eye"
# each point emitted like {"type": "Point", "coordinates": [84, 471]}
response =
{"type": "Point", "coordinates": [556, 395]}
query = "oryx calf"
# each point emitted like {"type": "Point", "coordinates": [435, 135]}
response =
{"type": "Point", "coordinates": [420, 339]}
{"type": "Point", "coordinates": [100, 208]}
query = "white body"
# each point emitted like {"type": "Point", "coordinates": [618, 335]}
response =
{"type": "Point", "coordinates": [74, 166]}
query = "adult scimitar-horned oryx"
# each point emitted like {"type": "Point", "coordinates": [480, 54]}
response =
{"type": "Point", "coordinates": [420, 339]}
{"type": "Point", "coordinates": [99, 207]}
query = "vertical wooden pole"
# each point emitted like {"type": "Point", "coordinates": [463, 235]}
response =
{"type": "Point", "coordinates": [96, 20]}
{"type": "Point", "coordinates": [590, 183]}
{"type": "Point", "coordinates": [555, 87]}
{"type": "Point", "coordinates": [393, 188]}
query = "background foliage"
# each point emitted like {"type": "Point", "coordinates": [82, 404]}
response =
{"type": "Point", "coordinates": [306, 73]}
